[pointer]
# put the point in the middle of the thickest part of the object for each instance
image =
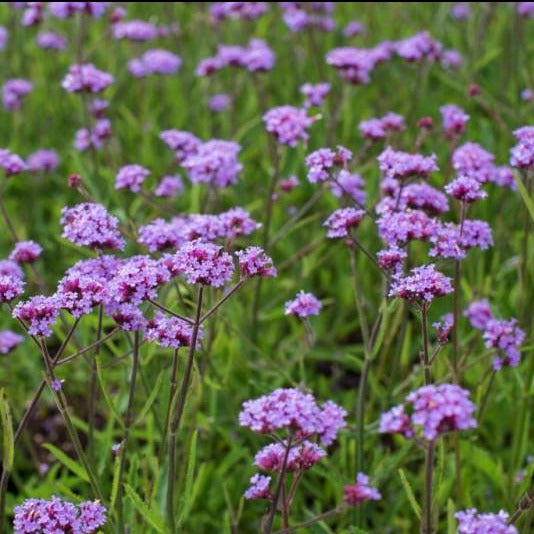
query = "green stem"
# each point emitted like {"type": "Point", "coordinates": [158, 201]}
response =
{"type": "Point", "coordinates": [172, 393]}
{"type": "Point", "coordinates": [426, 360]}
{"type": "Point", "coordinates": [312, 521]}
{"type": "Point", "coordinates": [93, 390]}
{"type": "Point", "coordinates": [426, 524]}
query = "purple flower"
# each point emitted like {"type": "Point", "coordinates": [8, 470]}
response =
{"type": "Point", "coordinates": [527, 95]}
{"type": "Point", "coordinates": [451, 241]}
{"type": "Point", "coordinates": [253, 261]}
{"type": "Point", "coordinates": [504, 177]}
{"type": "Point", "coordinates": [11, 163]}
{"type": "Point", "coordinates": [128, 317]}
{"type": "Point", "coordinates": [294, 411]}
{"type": "Point", "coordinates": [156, 61]}
{"type": "Point", "coordinates": [13, 90]}
{"type": "Point", "coordinates": [208, 66]}
{"type": "Point", "coordinates": [471, 522]}
{"type": "Point", "coordinates": [259, 488]}
{"type": "Point", "coordinates": [204, 263]}
{"type": "Point", "coordinates": [507, 338]}
{"type": "Point", "coordinates": [3, 37]}
{"type": "Point", "coordinates": [473, 161]}
{"type": "Point", "coordinates": [9, 341]}
{"type": "Point", "coordinates": [454, 120]}
{"type": "Point", "coordinates": [39, 313]}
{"type": "Point", "coordinates": [341, 222]}
{"type": "Point", "coordinates": [160, 234]}
{"type": "Point", "coordinates": [391, 258]}
{"type": "Point", "coordinates": [26, 252]}
{"type": "Point", "coordinates": [56, 385]}
{"type": "Point", "coordinates": [50, 40]}
{"type": "Point", "coordinates": [43, 161]}
{"type": "Point", "coordinates": [443, 328]}
{"type": "Point", "coordinates": [238, 10]}
{"type": "Point", "coordinates": [375, 129]}
{"type": "Point", "coordinates": [362, 491]}
{"type": "Point", "coordinates": [353, 28]}
{"type": "Point", "coordinates": [184, 144]}
{"type": "Point", "coordinates": [33, 14]}
{"type": "Point", "coordinates": [466, 189]}
{"type": "Point", "coordinates": [288, 124]}
{"type": "Point", "coordinates": [10, 287]}
{"type": "Point", "coordinates": [434, 411]}
{"type": "Point", "coordinates": [11, 268]}
{"type": "Point", "coordinates": [400, 227]}
{"type": "Point", "coordinates": [220, 102]}
{"type": "Point", "coordinates": [169, 331]}
{"type": "Point", "coordinates": [423, 284]}
{"type": "Point", "coordinates": [91, 225]}
{"type": "Point", "coordinates": [315, 94]}
{"type": "Point", "coordinates": [169, 187]}
{"type": "Point", "coordinates": [79, 294]}
{"type": "Point", "coordinates": [300, 457]}
{"type": "Point", "coordinates": [461, 11]}
{"type": "Point", "coordinates": [522, 154]}
{"type": "Point", "coordinates": [525, 9]}
{"type": "Point", "coordinates": [349, 184]}
{"type": "Point", "coordinates": [479, 314]}
{"type": "Point", "coordinates": [303, 305]}
{"type": "Point", "coordinates": [419, 47]}
{"type": "Point", "coordinates": [63, 10]}
{"type": "Point", "coordinates": [135, 30]}
{"type": "Point", "coordinates": [214, 162]}
{"type": "Point", "coordinates": [85, 139]}
{"type": "Point", "coordinates": [451, 59]}
{"type": "Point", "coordinates": [355, 64]}
{"type": "Point", "coordinates": [131, 177]}
{"type": "Point", "coordinates": [255, 57]}
{"type": "Point", "coordinates": [86, 77]}
{"type": "Point", "coordinates": [323, 161]}
{"type": "Point", "coordinates": [56, 515]}
{"type": "Point", "coordinates": [423, 197]}
{"type": "Point", "coordinates": [400, 165]}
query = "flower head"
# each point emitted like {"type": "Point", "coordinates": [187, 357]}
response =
{"type": "Point", "coordinates": [423, 284]}
{"type": "Point", "coordinates": [454, 120]}
{"type": "Point", "coordinates": [26, 252]}
{"type": "Point", "coordinates": [86, 77]}
{"type": "Point", "coordinates": [9, 341]}
{"type": "Point", "coordinates": [303, 305]}
{"type": "Point", "coordinates": [507, 338]}
{"type": "Point", "coordinates": [259, 487]}
{"type": "Point", "coordinates": [288, 124]}
{"type": "Point", "coordinates": [131, 177]}
{"type": "Point", "coordinates": [522, 154]}
{"type": "Point", "coordinates": [43, 161]}
{"type": "Point", "coordinates": [479, 314]}
{"type": "Point", "coordinates": [355, 494]}
{"type": "Point", "coordinates": [341, 222]}
{"type": "Point", "coordinates": [13, 91]}
{"type": "Point", "coordinates": [10, 287]}
{"type": "Point", "coordinates": [471, 522]}
{"type": "Point", "coordinates": [401, 165]}
{"type": "Point", "coordinates": [39, 313]}
{"type": "Point", "coordinates": [169, 331]}
{"type": "Point", "coordinates": [253, 261]}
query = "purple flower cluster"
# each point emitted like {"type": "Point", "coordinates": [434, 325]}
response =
{"type": "Point", "coordinates": [288, 124]}
{"type": "Point", "coordinates": [131, 177]}
{"type": "Point", "coordinates": [434, 410]}
{"type": "Point", "coordinates": [170, 331]}
{"type": "Point", "coordinates": [401, 165]}
{"type": "Point", "coordinates": [466, 189]}
{"type": "Point", "coordinates": [303, 305]}
{"type": "Point", "coordinates": [461, 11]}
{"type": "Point", "coordinates": [26, 252]}
{"type": "Point", "coordinates": [471, 522]}
{"type": "Point", "coordinates": [379, 128]}
{"type": "Point", "coordinates": [50, 40]}
{"type": "Point", "coordinates": [253, 261]}
{"type": "Point", "coordinates": [301, 15]}
{"type": "Point", "coordinates": [525, 9]}
{"type": "Point", "coordinates": [13, 91]}
{"type": "Point", "coordinates": [259, 487]}
{"type": "Point", "coordinates": [353, 28]}
{"type": "Point", "coordinates": [238, 10]}
{"type": "Point", "coordinates": [10, 287]}
{"type": "Point", "coordinates": [355, 65]}
{"type": "Point", "coordinates": [94, 137]}
{"type": "Point", "coordinates": [135, 30]}
{"type": "Point", "coordinates": [454, 120]}
{"type": "Point", "coordinates": [452, 241]}
{"type": "Point", "coordinates": [443, 328]}
{"type": "Point", "coordinates": [90, 225]}
{"type": "Point", "coordinates": [400, 227]}
{"type": "Point", "coordinates": [341, 222]}
{"type": "Point", "coordinates": [423, 284]}
{"type": "Point", "coordinates": [63, 10]}
{"type": "Point", "coordinates": [322, 162]}
{"type": "Point", "coordinates": [479, 314]}
{"type": "Point", "coordinates": [79, 294]}
{"type": "Point", "coordinates": [86, 77]}
{"type": "Point", "coordinates": [294, 411]}
{"type": "Point", "coordinates": [349, 184]}
{"type": "Point", "coordinates": [315, 94]}
{"type": "Point", "coordinates": [507, 338]}
{"type": "Point", "coordinates": [419, 47]}
{"type": "Point", "coordinates": [43, 161]}
{"type": "Point", "coordinates": [56, 515]}
{"type": "Point", "coordinates": [416, 196]}
{"type": "Point", "coordinates": [391, 258]}
{"type": "Point", "coordinates": [522, 154]}
{"type": "Point", "coordinates": [169, 186]}
{"type": "Point", "coordinates": [39, 313]}
{"type": "Point", "coordinates": [473, 161]}
{"type": "Point", "coordinates": [11, 163]}
{"type": "Point", "coordinates": [355, 494]}
{"type": "Point", "coordinates": [300, 458]}
{"type": "Point", "coordinates": [156, 61]}
{"type": "Point", "coordinates": [219, 102]}
{"type": "Point", "coordinates": [183, 143]}
{"type": "Point", "coordinates": [9, 341]}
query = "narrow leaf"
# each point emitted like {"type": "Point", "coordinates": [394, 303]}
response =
{"type": "Point", "coordinates": [409, 493]}
{"type": "Point", "coordinates": [69, 463]}
{"type": "Point", "coordinates": [188, 496]}
{"type": "Point", "coordinates": [149, 515]}
{"type": "Point", "coordinates": [7, 432]}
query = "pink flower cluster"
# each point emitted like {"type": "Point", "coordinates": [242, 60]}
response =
{"type": "Point", "coordinates": [355, 494]}
{"type": "Point", "coordinates": [156, 61]}
{"type": "Point", "coordinates": [471, 522]}
{"type": "Point", "coordinates": [303, 305]}
{"type": "Point", "coordinates": [323, 162]}
{"type": "Point", "coordinates": [86, 77]}
{"type": "Point", "coordinates": [379, 128]}
{"type": "Point", "coordinates": [288, 124]}
{"type": "Point", "coordinates": [422, 285]}
{"type": "Point", "coordinates": [401, 165]}
{"type": "Point", "coordinates": [341, 222]}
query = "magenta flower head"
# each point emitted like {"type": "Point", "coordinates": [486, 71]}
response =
{"type": "Point", "coordinates": [131, 177]}
{"type": "Point", "coordinates": [422, 285]}
{"type": "Point", "coordinates": [391, 258]}
{"type": "Point", "coordinates": [466, 189]}
{"type": "Point", "coordinates": [79, 294]}
{"type": "Point", "coordinates": [128, 317]}
{"type": "Point", "coordinates": [259, 487]}
{"type": "Point", "coordinates": [324, 163]}
{"type": "Point", "coordinates": [400, 227]}
{"type": "Point", "coordinates": [39, 313]}
{"type": "Point", "coordinates": [341, 222]}
{"type": "Point", "coordinates": [314, 94]}
{"type": "Point", "coordinates": [214, 162]}
{"type": "Point", "coordinates": [419, 47]}
{"type": "Point", "coordinates": [301, 457]}
{"type": "Point", "coordinates": [160, 234]}
{"type": "Point", "coordinates": [204, 263]}
{"type": "Point", "coordinates": [9, 341]}
{"type": "Point", "coordinates": [13, 91]}
{"type": "Point", "coordinates": [57, 515]}
{"type": "Point", "coordinates": [525, 9]}
{"type": "Point", "coordinates": [91, 225]}
{"type": "Point", "coordinates": [10, 288]}
{"type": "Point", "coordinates": [156, 61]}
{"type": "Point", "coordinates": [86, 77]}
{"type": "Point", "coordinates": [184, 144]}
{"type": "Point", "coordinates": [461, 11]}
{"type": "Point", "coordinates": [63, 10]}
{"type": "Point", "coordinates": [433, 410]}
{"type": "Point", "coordinates": [4, 35]}
{"type": "Point", "coordinates": [220, 102]}
{"type": "Point", "coordinates": [353, 28]}
{"type": "Point", "coordinates": [170, 331]}
{"type": "Point", "coordinates": [303, 305]}
{"type": "Point", "coordinates": [375, 129]}
{"type": "Point", "coordinates": [169, 187]}
{"type": "Point", "coordinates": [527, 95]}
{"type": "Point", "coordinates": [401, 165]}
{"type": "Point", "coordinates": [11, 163]}
{"type": "Point", "coordinates": [288, 124]}
{"type": "Point", "coordinates": [522, 154]}
{"type": "Point", "coordinates": [471, 522]}
{"type": "Point", "coordinates": [443, 328]}
{"type": "Point", "coordinates": [11, 268]}
{"type": "Point", "coordinates": [479, 314]}
{"type": "Point", "coordinates": [473, 161]}
{"type": "Point", "coordinates": [354, 65]}
{"type": "Point", "coordinates": [295, 411]}
{"type": "Point", "coordinates": [355, 494]}
{"type": "Point", "coordinates": [454, 120]}
{"type": "Point", "coordinates": [43, 161]}
{"type": "Point", "coordinates": [507, 338]}
{"type": "Point", "coordinates": [350, 184]}
{"type": "Point", "coordinates": [26, 252]}
{"type": "Point", "coordinates": [253, 261]}
{"type": "Point", "coordinates": [49, 40]}
{"type": "Point", "coordinates": [135, 30]}
{"type": "Point", "coordinates": [238, 10]}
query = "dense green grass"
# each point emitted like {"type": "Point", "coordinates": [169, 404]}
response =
{"type": "Point", "coordinates": [237, 362]}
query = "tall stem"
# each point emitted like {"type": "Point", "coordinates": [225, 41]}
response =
{"type": "Point", "coordinates": [426, 523]}
{"type": "Point", "coordinates": [176, 417]}
{"type": "Point", "coordinates": [172, 393]}
{"type": "Point", "coordinates": [426, 360]}
{"type": "Point", "coordinates": [128, 419]}
{"type": "Point", "coordinates": [93, 389]}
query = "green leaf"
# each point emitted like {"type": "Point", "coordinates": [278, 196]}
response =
{"type": "Point", "coordinates": [115, 482]}
{"type": "Point", "coordinates": [409, 493]}
{"type": "Point", "coordinates": [7, 433]}
{"type": "Point", "coordinates": [105, 394]}
{"type": "Point", "coordinates": [524, 195]}
{"type": "Point", "coordinates": [188, 496]}
{"type": "Point", "coordinates": [451, 521]}
{"type": "Point", "coordinates": [69, 463]}
{"type": "Point", "coordinates": [150, 400]}
{"type": "Point", "coordinates": [151, 516]}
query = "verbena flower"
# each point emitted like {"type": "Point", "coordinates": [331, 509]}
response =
{"type": "Point", "coordinates": [479, 314]}
{"type": "Point", "coordinates": [355, 494]}
{"type": "Point", "coordinates": [401, 165]}
{"type": "Point", "coordinates": [169, 187]}
{"type": "Point", "coordinates": [454, 120]}
{"type": "Point", "coordinates": [135, 30]}
{"type": "Point", "coordinates": [12, 163]}
{"type": "Point", "coordinates": [11, 268]}
{"type": "Point", "coordinates": [391, 258]}
{"type": "Point", "coordinates": [443, 328]}
{"type": "Point", "coordinates": [522, 154]}
{"type": "Point", "coordinates": [79, 294]}
{"type": "Point", "coordinates": [9, 341]}
{"type": "Point", "coordinates": [155, 61]}
{"type": "Point", "coordinates": [220, 102]}
{"type": "Point", "coordinates": [301, 457]}
{"type": "Point", "coordinates": [322, 163]}
{"type": "Point", "coordinates": [472, 161]}
{"type": "Point", "coordinates": [131, 177]}
{"type": "Point", "coordinates": [253, 261]}
{"type": "Point", "coordinates": [39, 313]}
{"type": "Point", "coordinates": [10, 288]}
{"type": "Point", "coordinates": [288, 124]}
{"type": "Point", "coordinates": [423, 284]}
{"type": "Point", "coordinates": [86, 77]}
{"type": "Point", "coordinates": [353, 28]}
{"type": "Point", "coordinates": [380, 128]}
{"type": "Point", "coordinates": [13, 91]}
{"type": "Point", "coordinates": [26, 252]}
{"type": "Point", "coordinates": [63, 10]}
{"type": "Point", "coordinates": [355, 65]}
{"type": "Point", "coordinates": [419, 47]}
{"type": "Point", "coordinates": [303, 305]}
{"type": "Point", "coordinates": [50, 40]}
{"type": "Point", "coordinates": [507, 338]}
{"type": "Point", "coordinates": [259, 487]}
{"type": "Point", "coordinates": [183, 143]}
{"type": "Point", "coordinates": [43, 161]}
{"type": "Point", "coordinates": [349, 184]}
{"type": "Point", "coordinates": [341, 222]}
{"type": "Point", "coordinates": [314, 93]}
{"type": "Point", "coordinates": [466, 189]}
{"type": "Point", "coordinates": [471, 522]}
{"type": "Point", "coordinates": [170, 331]}
{"type": "Point", "coordinates": [397, 228]}
{"type": "Point", "coordinates": [128, 317]}
{"type": "Point", "coordinates": [238, 10]}
{"type": "Point", "coordinates": [461, 11]}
